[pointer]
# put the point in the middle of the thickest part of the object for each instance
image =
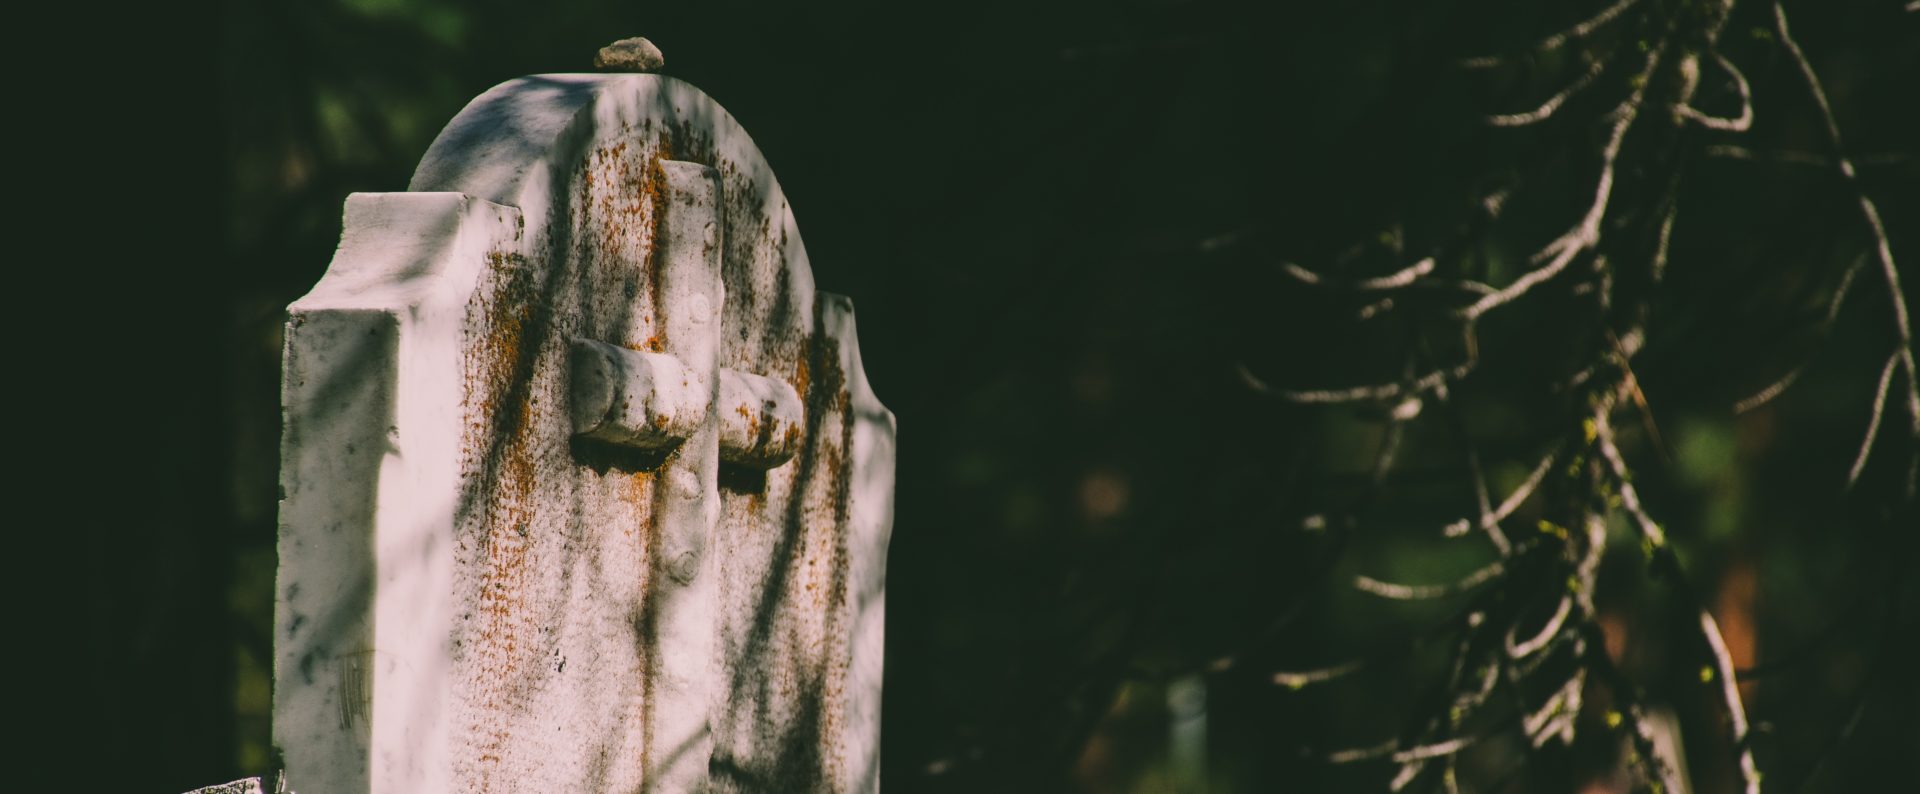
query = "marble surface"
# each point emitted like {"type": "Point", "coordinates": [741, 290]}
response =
{"type": "Point", "coordinates": [473, 596]}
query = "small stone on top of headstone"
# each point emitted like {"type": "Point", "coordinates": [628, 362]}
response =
{"type": "Point", "coordinates": [630, 55]}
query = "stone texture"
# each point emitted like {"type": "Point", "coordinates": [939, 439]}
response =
{"type": "Point", "coordinates": [630, 55]}
{"type": "Point", "coordinates": [246, 786]}
{"type": "Point", "coordinates": [472, 596]}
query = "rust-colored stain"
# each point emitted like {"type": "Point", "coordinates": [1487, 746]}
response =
{"type": "Point", "coordinates": [648, 629]}
{"type": "Point", "coordinates": [653, 195]}
{"type": "Point", "coordinates": [500, 464]}
{"type": "Point", "coordinates": [639, 495]}
{"type": "Point", "coordinates": [745, 411]}
{"type": "Point", "coordinates": [813, 674]}
{"type": "Point", "coordinates": [802, 377]}
{"type": "Point", "coordinates": [626, 202]}
{"type": "Point", "coordinates": [618, 230]}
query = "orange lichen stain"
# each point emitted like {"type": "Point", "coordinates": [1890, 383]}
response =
{"type": "Point", "coordinates": [838, 606]}
{"type": "Point", "coordinates": [654, 196]}
{"type": "Point", "coordinates": [753, 421]}
{"type": "Point", "coordinates": [638, 495]}
{"type": "Point", "coordinates": [801, 377]}
{"type": "Point", "coordinates": [653, 567]}
{"type": "Point", "coordinates": [499, 470]}
{"type": "Point", "coordinates": [652, 344]}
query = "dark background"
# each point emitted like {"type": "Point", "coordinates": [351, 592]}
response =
{"type": "Point", "coordinates": [1061, 224]}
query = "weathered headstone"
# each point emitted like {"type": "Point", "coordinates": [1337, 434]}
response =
{"type": "Point", "coordinates": [584, 487]}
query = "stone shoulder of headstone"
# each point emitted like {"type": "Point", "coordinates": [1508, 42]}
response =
{"type": "Point", "coordinates": [636, 54]}
{"type": "Point", "coordinates": [584, 486]}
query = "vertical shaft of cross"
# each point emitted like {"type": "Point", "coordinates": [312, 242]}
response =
{"type": "Point", "coordinates": [681, 578]}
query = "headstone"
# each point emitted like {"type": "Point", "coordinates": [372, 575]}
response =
{"type": "Point", "coordinates": [584, 488]}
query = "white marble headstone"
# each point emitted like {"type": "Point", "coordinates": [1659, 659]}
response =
{"type": "Point", "coordinates": [584, 487]}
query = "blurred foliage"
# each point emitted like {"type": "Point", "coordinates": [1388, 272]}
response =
{"type": "Point", "coordinates": [1063, 225]}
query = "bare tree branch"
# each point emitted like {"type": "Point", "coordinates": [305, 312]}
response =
{"type": "Point", "coordinates": [1399, 278]}
{"type": "Point", "coordinates": [1740, 123]}
{"type": "Point", "coordinates": [1585, 234]}
{"type": "Point", "coordinates": [1722, 662]}
{"type": "Point", "coordinates": [1873, 421]}
{"type": "Point", "coordinates": [1519, 649]}
{"type": "Point", "coordinates": [1405, 592]}
{"type": "Point", "coordinates": [1296, 679]}
{"type": "Point", "coordinates": [1579, 30]}
{"type": "Point", "coordinates": [1786, 381]}
{"type": "Point", "coordinates": [1392, 750]}
{"type": "Point", "coordinates": [1546, 109]}
{"type": "Point", "coordinates": [1882, 248]}
{"type": "Point", "coordinates": [1377, 392]}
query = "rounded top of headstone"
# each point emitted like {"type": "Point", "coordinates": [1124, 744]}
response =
{"type": "Point", "coordinates": [630, 55]}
